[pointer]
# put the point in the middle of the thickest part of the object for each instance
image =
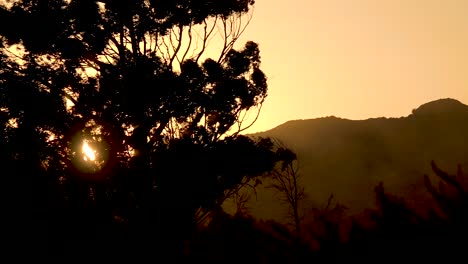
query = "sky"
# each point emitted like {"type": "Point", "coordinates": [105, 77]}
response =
{"type": "Point", "coordinates": [358, 59]}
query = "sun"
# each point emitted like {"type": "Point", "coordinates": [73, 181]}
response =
{"type": "Point", "coordinates": [89, 153]}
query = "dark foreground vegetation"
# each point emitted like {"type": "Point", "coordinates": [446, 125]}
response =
{"type": "Point", "coordinates": [390, 233]}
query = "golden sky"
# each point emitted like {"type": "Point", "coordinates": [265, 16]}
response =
{"type": "Point", "coordinates": [359, 59]}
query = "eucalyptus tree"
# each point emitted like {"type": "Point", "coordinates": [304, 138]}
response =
{"type": "Point", "coordinates": [125, 116]}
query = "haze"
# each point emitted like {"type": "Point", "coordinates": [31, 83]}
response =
{"type": "Point", "coordinates": [358, 59]}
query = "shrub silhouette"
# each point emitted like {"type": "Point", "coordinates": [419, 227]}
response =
{"type": "Point", "coordinates": [241, 238]}
{"type": "Point", "coordinates": [393, 231]}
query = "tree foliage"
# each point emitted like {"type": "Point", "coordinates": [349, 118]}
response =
{"type": "Point", "coordinates": [138, 82]}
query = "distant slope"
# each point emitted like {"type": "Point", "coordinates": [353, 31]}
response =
{"type": "Point", "coordinates": [348, 158]}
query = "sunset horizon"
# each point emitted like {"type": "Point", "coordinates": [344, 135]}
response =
{"type": "Point", "coordinates": [358, 59]}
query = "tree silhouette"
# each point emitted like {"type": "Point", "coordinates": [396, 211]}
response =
{"type": "Point", "coordinates": [135, 81]}
{"type": "Point", "coordinates": [286, 180]}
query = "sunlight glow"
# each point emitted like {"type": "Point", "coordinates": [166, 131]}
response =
{"type": "Point", "coordinates": [89, 153]}
{"type": "Point", "coordinates": [13, 122]}
{"type": "Point", "coordinates": [131, 151]}
{"type": "Point", "coordinates": [68, 104]}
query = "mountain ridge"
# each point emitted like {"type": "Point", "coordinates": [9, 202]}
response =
{"type": "Point", "coordinates": [348, 158]}
{"type": "Point", "coordinates": [435, 106]}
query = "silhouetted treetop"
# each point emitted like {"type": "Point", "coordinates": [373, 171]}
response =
{"type": "Point", "coordinates": [133, 65]}
{"type": "Point", "coordinates": [131, 107]}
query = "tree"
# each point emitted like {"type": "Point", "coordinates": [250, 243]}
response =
{"type": "Point", "coordinates": [130, 87]}
{"type": "Point", "coordinates": [287, 181]}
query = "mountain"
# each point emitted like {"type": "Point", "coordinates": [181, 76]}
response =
{"type": "Point", "coordinates": [348, 158]}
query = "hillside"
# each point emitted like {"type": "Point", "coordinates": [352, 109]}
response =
{"type": "Point", "coordinates": [349, 157]}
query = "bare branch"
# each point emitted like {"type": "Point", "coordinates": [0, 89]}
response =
{"type": "Point", "coordinates": [255, 119]}
{"type": "Point", "coordinates": [286, 181]}
{"type": "Point", "coordinates": [189, 43]}
{"type": "Point", "coordinates": [225, 41]}
{"type": "Point", "coordinates": [206, 36]}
